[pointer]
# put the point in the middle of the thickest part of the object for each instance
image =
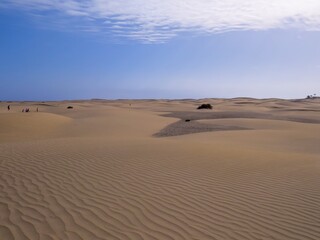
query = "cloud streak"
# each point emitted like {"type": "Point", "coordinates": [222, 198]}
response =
{"type": "Point", "coordinates": [160, 20]}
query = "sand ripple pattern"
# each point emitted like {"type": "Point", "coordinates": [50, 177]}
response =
{"type": "Point", "coordinates": [69, 189]}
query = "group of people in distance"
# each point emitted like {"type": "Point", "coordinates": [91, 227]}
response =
{"type": "Point", "coordinates": [23, 110]}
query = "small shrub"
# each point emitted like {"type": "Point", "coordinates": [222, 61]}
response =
{"type": "Point", "coordinates": [205, 106]}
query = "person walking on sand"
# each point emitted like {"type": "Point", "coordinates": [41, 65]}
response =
{"type": "Point", "coordinates": [8, 107]}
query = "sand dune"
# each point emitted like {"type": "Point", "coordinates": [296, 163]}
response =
{"type": "Point", "coordinates": [99, 172]}
{"type": "Point", "coordinates": [18, 126]}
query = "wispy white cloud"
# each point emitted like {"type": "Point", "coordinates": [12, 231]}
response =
{"type": "Point", "coordinates": [160, 20]}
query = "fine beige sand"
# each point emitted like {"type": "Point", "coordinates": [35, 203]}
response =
{"type": "Point", "coordinates": [248, 169]}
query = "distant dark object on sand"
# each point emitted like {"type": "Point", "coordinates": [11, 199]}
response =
{"type": "Point", "coordinates": [187, 120]}
{"type": "Point", "coordinates": [69, 107]}
{"type": "Point", "coordinates": [312, 96]}
{"type": "Point", "coordinates": [205, 106]}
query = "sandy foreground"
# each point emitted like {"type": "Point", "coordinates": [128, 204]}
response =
{"type": "Point", "coordinates": [248, 169]}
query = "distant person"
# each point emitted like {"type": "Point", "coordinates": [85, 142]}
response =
{"type": "Point", "coordinates": [37, 109]}
{"type": "Point", "coordinates": [22, 109]}
{"type": "Point", "coordinates": [8, 107]}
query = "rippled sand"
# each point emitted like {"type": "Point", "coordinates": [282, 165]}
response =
{"type": "Point", "coordinates": [248, 169]}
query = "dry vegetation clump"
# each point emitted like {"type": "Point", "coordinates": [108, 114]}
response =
{"type": "Point", "coordinates": [205, 106]}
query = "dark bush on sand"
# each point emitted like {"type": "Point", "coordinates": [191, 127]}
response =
{"type": "Point", "coordinates": [205, 106]}
{"type": "Point", "coordinates": [70, 107]}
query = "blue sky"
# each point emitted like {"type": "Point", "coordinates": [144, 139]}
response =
{"type": "Point", "coordinates": [55, 50]}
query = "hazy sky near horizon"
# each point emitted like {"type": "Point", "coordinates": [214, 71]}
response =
{"type": "Point", "coordinates": [55, 50]}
